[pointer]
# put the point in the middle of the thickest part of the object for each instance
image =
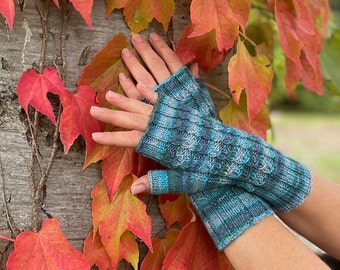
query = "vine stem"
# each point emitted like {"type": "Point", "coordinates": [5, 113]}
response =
{"type": "Point", "coordinates": [8, 217]}
{"type": "Point", "coordinates": [34, 127]}
{"type": "Point", "coordinates": [44, 176]}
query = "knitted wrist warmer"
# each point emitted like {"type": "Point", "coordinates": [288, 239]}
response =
{"type": "Point", "coordinates": [183, 87]}
{"type": "Point", "coordinates": [227, 212]}
{"type": "Point", "coordinates": [183, 139]}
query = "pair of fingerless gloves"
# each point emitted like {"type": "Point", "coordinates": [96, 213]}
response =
{"type": "Point", "coordinates": [234, 179]}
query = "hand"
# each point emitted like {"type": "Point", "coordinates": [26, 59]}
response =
{"type": "Point", "coordinates": [162, 62]}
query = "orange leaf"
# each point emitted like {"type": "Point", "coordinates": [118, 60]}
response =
{"type": "Point", "coordinates": [84, 7]}
{"type": "Point", "coordinates": [117, 162]}
{"type": "Point", "coordinates": [154, 260]}
{"type": "Point", "coordinates": [33, 87]}
{"type": "Point", "coordinates": [223, 16]}
{"type": "Point", "coordinates": [114, 220]}
{"type": "Point", "coordinates": [236, 116]}
{"type": "Point", "coordinates": [102, 73]}
{"type": "Point", "coordinates": [7, 8]}
{"type": "Point", "coordinates": [47, 249]}
{"type": "Point", "coordinates": [96, 253]}
{"type": "Point", "coordinates": [201, 49]}
{"type": "Point", "coordinates": [300, 42]}
{"type": "Point", "coordinates": [139, 13]}
{"type": "Point", "coordinates": [76, 119]}
{"type": "Point", "coordinates": [176, 211]}
{"type": "Point", "coordinates": [252, 74]}
{"type": "Point", "coordinates": [193, 250]}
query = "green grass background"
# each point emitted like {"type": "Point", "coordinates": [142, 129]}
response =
{"type": "Point", "coordinates": [311, 138]}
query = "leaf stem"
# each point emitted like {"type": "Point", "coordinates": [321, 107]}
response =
{"type": "Point", "coordinates": [218, 90]}
{"type": "Point", "coordinates": [247, 38]}
{"type": "Point", "coordinates": [7, 238]}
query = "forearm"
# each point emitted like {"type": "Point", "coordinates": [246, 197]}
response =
{"type": "Point", "coordinates": [318, 218]}
{"type": "Point", "coordinates": [269, 245]}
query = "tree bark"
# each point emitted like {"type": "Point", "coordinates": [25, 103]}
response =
{"type": "Point", "coordinates": [67, 193]}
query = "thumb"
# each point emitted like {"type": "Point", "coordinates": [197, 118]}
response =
{"type": "Point", "coordinates": [141, 185]}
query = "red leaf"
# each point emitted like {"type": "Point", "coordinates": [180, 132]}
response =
{"type": "Point", "coordinates": [47, 249]}
{"type": "Point", "coordinates": [33, 87]}
{"type": "Point", "coordinates": [252, 74]}
{"type": "Point", "coordinates": [300, 42]}
{"type": "Point", "coordinates": [223, 16]}
{"type": "Point", "coordinates": [201, 49]}
{"type": "Point", "coordinates": [193, 250]}
{"type": "Point", "coordinates": [7, 8]}
{"type": "Point", "coordinates": [56, 2]}
{"type": "Point", "coordinates": [76, 119]}
{"type": "Point", "coordinates": [154, 260]}
{"type": "Point", "coordinates": [84, 7]}
{"type": "Point", "coordinates": [116, 219]}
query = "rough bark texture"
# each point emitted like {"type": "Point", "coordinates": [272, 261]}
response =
{"type": "Point", "coordinates": [68, 187]}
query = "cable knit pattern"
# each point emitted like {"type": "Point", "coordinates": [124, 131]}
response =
{"type": "Point", "coordinates": [181, 138]}
{"type": "Point", "coordinates": [227, 211]}
{"type": "Point", "coordinates": [182, 87]}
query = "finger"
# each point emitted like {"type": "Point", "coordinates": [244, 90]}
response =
{"type": "Point", "coordinates": [153, 61]}
{"type": "Point", "coordinates": [129, 86]}
{"type": "Point", "coordinates": [118, 138]}
{"type": "Point", "coordinates": [166, 53]}
{"type": "Point", "coordinates": [128, 120]}
{"type": "Point", "coordinates": [147, 93]}
{"type": "Point", "coordinates": [129, 104]}
{"type": "Point", "coordinates": [141, 185]}
{"type": "Point", "coordinates": [137, 70]}
{"type": "Point", "coordinates": [194, 70]}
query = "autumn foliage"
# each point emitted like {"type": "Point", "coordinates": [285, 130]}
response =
{"type": "Point", "coordinates": [217, 30]}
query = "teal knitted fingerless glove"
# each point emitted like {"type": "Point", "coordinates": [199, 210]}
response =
{"type": "Point", "coordinates": [228, 211]}
{"type": "Point", "coordinates": [183, 139]}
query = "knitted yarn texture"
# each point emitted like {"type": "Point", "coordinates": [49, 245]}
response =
{"type": "Point", "coordinates": [183, 139]}
{"type": "Point", "coordinates": [226, 211]}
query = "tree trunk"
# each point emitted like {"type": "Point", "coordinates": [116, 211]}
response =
{"type": "Point", "coordinates": [67, 192]}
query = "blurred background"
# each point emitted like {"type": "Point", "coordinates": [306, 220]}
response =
{"type": "Point", "coordinates": [305, 125]}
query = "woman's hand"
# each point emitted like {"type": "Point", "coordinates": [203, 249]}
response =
{"type": "Point", "coordinates": [161, 62]}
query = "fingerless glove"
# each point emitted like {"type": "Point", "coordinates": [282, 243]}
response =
{"type": "Point", "coordinates": [184, 139]}
{"type": "Point", "coordinates": [225, 211]}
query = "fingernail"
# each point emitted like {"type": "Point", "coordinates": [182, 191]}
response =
{"type": "Point", "coordinates": [140, 188]}
{"type": "Point", "coordinates": [126, 52]}
{"type": "Point", "coordinates": [122, 77]}
{"type": "Point", "coordinates": [154, 36]}
{"type": "Point", "coordinates": [97, 109]}
{"type": "Point", "coordinates": [137, 38]}
{"type": "Point", "coordinates": [97, 135]}
{"type": "Point", "coordinates": [112, 95]}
